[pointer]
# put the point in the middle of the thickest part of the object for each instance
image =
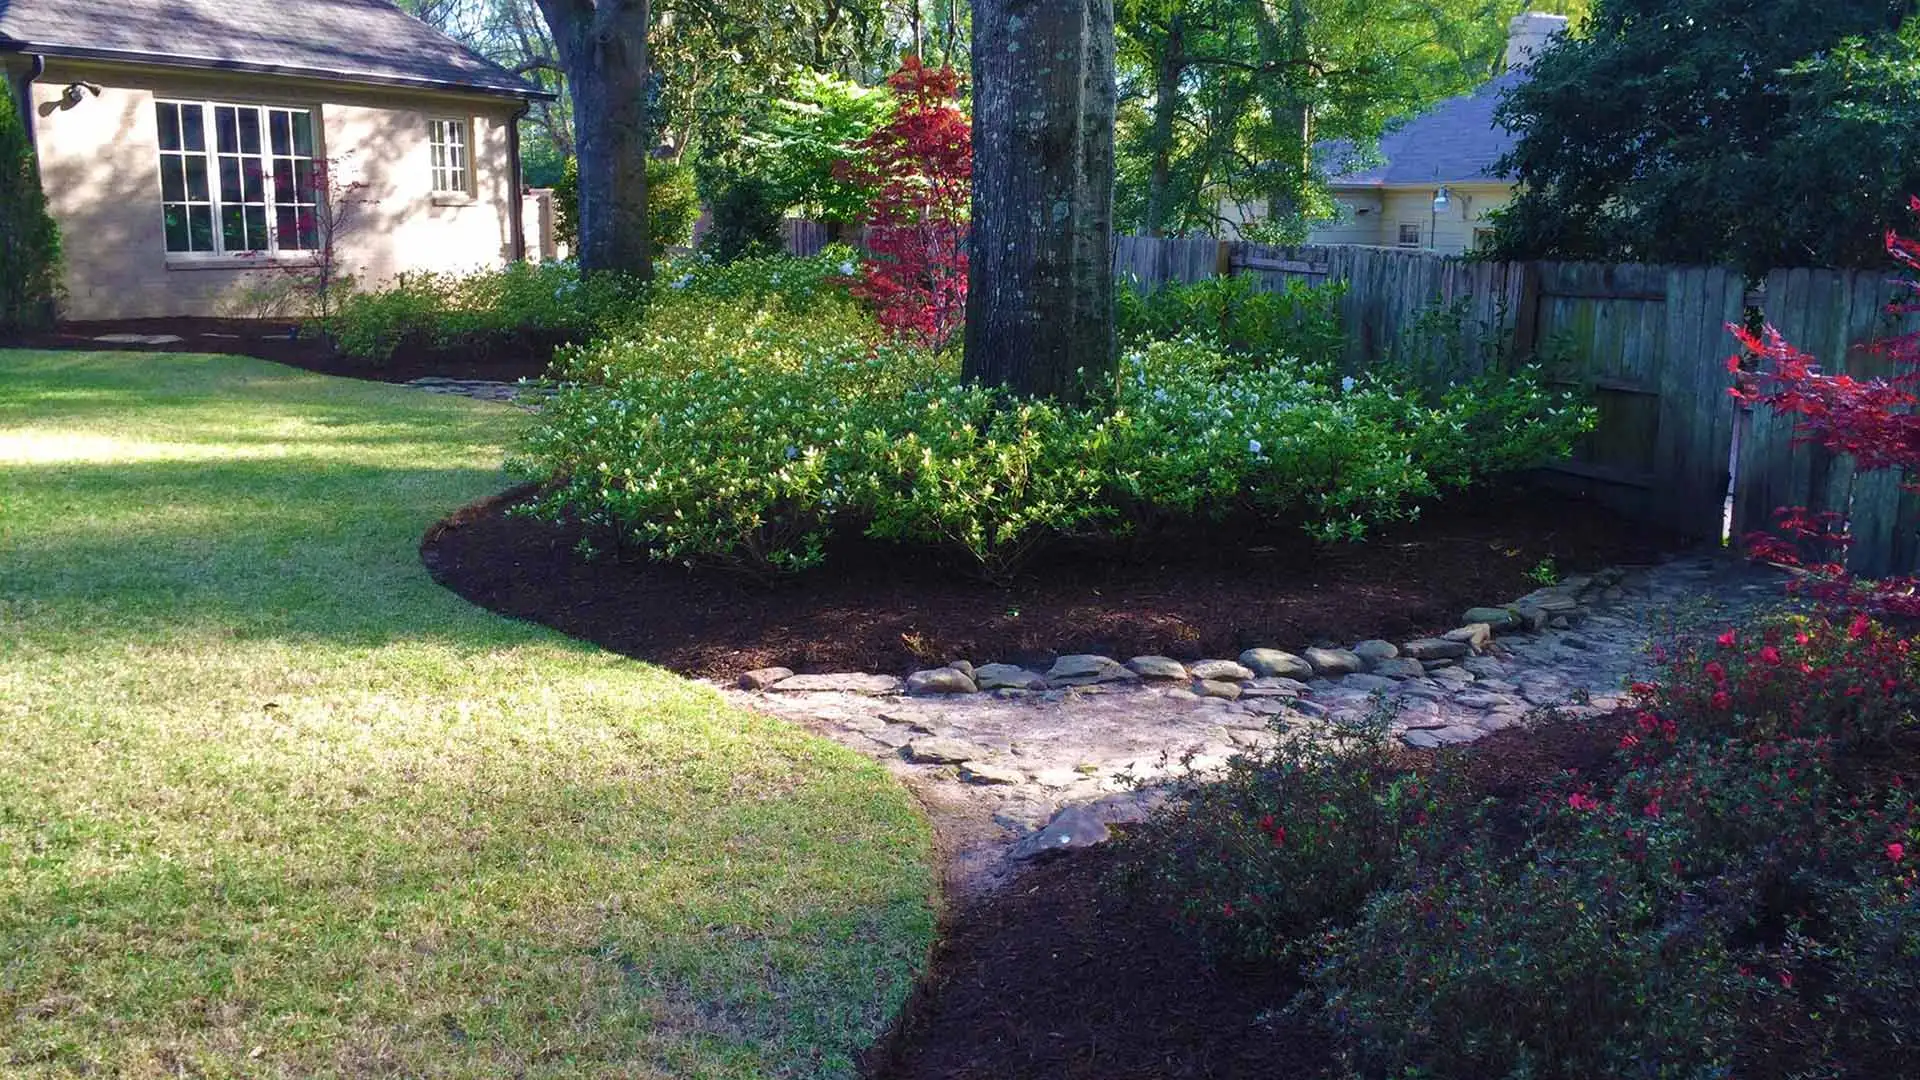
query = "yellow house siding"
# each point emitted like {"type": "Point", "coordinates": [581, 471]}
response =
{"type": "Point", "coordinates": [1450, 232]}
{"type": "Point", "coordinates": [100, 166]}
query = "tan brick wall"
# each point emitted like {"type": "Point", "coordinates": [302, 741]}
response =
{"type": "Point", "coordinates": [100, 165]}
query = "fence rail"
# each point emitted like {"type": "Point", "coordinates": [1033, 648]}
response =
{"type": "Point", "coordinates": [1649, 344]}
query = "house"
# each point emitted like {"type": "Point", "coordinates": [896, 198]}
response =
{"type": "Point", "coordinates": [1433, 183]}
{"type": "Point", "coordinates": [177, 141]}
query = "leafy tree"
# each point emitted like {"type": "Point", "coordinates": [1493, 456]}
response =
{"type": "Point", "coordinates": [1759, 133]}
{"type": "Point", "coordinates": [805, 141]}
{"type": "Point", "coordinates": [29, 241]}
{"type": "Point", "coordinates": [746, 220]}
{"type": "Point", "coordinates": [672, 204]}
{"type": "Point", "coordinates": [1228, 98]}
{"type": "Point", "coordinates": [602, 44]}
{"type": "Point", "coordinates": [919, 172]}
{"type": "Point", "coordinates": [1040, 283]}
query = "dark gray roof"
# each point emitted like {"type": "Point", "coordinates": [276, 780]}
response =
{"type": "Point", "coordinates": [1456, 141]}
{"type": "Point", "coordinates": [355, 40]}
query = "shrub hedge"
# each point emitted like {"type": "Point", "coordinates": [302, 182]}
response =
{"type": "Point", "coordinates": [29, 241]}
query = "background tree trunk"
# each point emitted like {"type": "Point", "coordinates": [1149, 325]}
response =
{"type": "Point", "coordinates": [603, 47]}
{"type": "Point", "coordinates": [1166, 105]}
{"type": "Point", "coordinates": [1040, 282]}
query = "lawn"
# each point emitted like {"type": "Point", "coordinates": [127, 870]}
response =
{"type": "Point", "coordinates": [273, 803]}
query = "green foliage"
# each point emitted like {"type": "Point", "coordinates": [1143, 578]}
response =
{"type": "Point", "coordinates": [1671, 132]}
{"type": "Point", "coordinates": [1298, 320]}
{"type": "Point", "coordinates": [804, 144]}
{"type": "Point", "coordinates": [747, 212]}
{"type": "Point", "coordinates": [756, 413]}
{"type": "Point", "coordinates": [29, 242]}
{"type": "Point", "coordinates": [673, 203]}
{"type": "Point", "coordinates": [427, 308]}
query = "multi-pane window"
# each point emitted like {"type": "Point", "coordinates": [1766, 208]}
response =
{"type": "Point", "coordinates": [1409, 236]}
{"type": "Point", "coordinates": [452, 169]}
{"type": "Point", "coordinates": [237, 178]}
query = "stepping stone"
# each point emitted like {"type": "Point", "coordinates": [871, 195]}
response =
{"type": "Point", "coordinates": [1158, 667]}
{"type": "Point", "coordinates": [938, 750]}
{"type": "Point", "coordinates": [1058, 778]}
{"type": "Point", "coordinates": [1070, 830]}
{"type": "Point", "coordinates": [940, 681]}
{"type": "Point", "coordinates": [1477, 636]}
{"type": "Point", "coordinates": [761, 678]}
{"type": "Point", "coordinates": [1216, 688]}
{"type": "Point", "coordinates": [1435, 649]}
{"type": "Point", "coordinates": [1334, 661]}
{"type": "Point", "coordinates": [1273, 663]}
{"type": "Point", "coordinates": [1220, 671]}
{"type": "Point", "coordinates": [981, 772]}
{"type": "Point", "coordinates": [1368, 683]}
{"type": "Point", "coordinates": [141, 339]}
{"type": "Point", "coordinates": [1007, 677]}
{"type": "Point", "coordinates": [843, 683]}
{"type": "Point", "coordinates": [1496, 619]}
{"type": "Point", "coordinates": [1483, 701]}
{"type": "Point", "coordinates": [1375, 651]}
{"type": "Point", "coordinates": [1084, 669]}
{"type": "Point", "coordinates": [1399, 667]}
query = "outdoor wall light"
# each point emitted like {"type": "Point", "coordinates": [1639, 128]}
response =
{"type": "Point", "coordinates": [72, 95]}
{"type": "Point", "coordinates": [1441, 200]}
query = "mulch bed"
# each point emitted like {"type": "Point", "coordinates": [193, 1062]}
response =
{"type": "Point", "coordinates": [504, 358]}
{"type": "Point", "coordinates": [874, 607]}
{"type": "Point", "coordinates": [1063, 975]}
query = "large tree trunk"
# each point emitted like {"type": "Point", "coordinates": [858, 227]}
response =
{"type": "Point", "coordinates": [1040, 281]}
{"type": "Point", "coordinates": [603, 46]}
{"type": "Point", "coordinates": [1166, 107]}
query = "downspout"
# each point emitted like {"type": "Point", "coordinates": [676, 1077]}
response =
{"type": "Point", "coordinates": [23, 101]}
{"type": "Point", "coordinates": [517, 203]}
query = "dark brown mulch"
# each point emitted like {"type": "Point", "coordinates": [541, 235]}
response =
{"type": "Point", "coordinates": [880, 608]}
{"type": "Point", "coordinates": [1063, 974]}
{"type": "Point", "coordinates": [500, 358]}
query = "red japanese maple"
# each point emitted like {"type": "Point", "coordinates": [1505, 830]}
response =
{"type": "Point", "coordinates": [920, 169]}
{"type": "Point", "coordinates": [1873, 420]}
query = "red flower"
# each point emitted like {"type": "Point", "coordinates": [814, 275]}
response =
{"type": "Point", "coordinates": [1652, 808]}
{"type": "Point", "coordinates": [1727, 639]}
{"type": "Point", "coordinates": [1786, 979]}
{"type": "Point", "coordinates": [1581, 801]}
{"type": "Point", "coordinates": [1717, 671]}
{"type": "Point", "coordinates": [1770, 656]}
{"type": "Point", "coordinates": [1896, 851]}
{"type": "Point", "coordinates": [1861, 624]}
{"type": "Point", "coordinates": [1721, 700]}
{"type": "Point", "coordinates": [1629, 741]}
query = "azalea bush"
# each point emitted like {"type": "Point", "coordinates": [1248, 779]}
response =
{"type": "Point", "coordinates": [435, 310]}
{"type": "Point", "coordinates": [1296, 321]}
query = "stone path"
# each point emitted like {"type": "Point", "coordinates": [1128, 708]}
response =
{"type": "Point", "coordinates": [997, 765]}
{"type": "Point", "coordinates": [480, 389]}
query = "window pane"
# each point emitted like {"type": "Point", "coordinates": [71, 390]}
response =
{"type": "Point", "coordinates": [176, 218]}
{"type": "Point", "coordinates": [255, 178]}
{"type": "Point", "coordinates": [169, 126]}
{"type": "Point", "coordinates": [309, 229]}
{"type": "Point", "coordinates": [249, 131]}
{"type": "Point", "coordinates": [200, 226]}
{"type": "Point", "coordinates": [233, 229]}
{"type": "Point", "coordinates": [197, 178]}
{"type": "Point", "coordinates": [286, 227]}
{"type": "Point", "coordinates": [230, 179]}
{"type": "Point", "coordinates": [303, 134]}
{"type": "Point", "coordinates": [256, 228]}
{"type": "Point", "coordinates": [173, 178]}
{"type": "Point", "coordinates": [193, 123]}
{"type": "Point", "coordinates": [305, 187]}
{"type": "Point", "coordinates": [439, 155]}
{"type": "Point", "coordinates": [282, 132]}
{"type": "Point", "coordinates": [226, 120]}
{"type": "Point", "coordinates": [282, 181]}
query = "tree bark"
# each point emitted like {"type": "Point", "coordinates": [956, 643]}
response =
{"type": "Point", "coordinates": [1040, 281]}
{"type": "Point", "coordinates": [1166, 106]}
{"type": "Point", "coordinates": [603, 47]}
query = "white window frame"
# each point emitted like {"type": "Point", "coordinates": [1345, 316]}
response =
{"type": "Point", "coordinates": [268, 158]}
{"type": "Point", "coordinates": [1402, 241]}
{"type": "Point", "coordinates": [450, 155]}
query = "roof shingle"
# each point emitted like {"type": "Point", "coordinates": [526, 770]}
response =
{"type": "Point", "coordinates": [1456, 141]}
{"type": "Point", "coordinates": [355, 40]}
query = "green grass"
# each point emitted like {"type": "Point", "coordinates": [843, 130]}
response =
{"type": "Point", "coordinates": [272, 803]}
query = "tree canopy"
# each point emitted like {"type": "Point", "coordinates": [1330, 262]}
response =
{"type": "Point", "coordinates": [1757, 133]}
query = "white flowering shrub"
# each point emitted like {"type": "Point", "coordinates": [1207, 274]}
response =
{"type": "Point", "coordinates": [758, 411]}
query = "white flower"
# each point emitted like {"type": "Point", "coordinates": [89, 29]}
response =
{"type": "Point", "coordinates": [1349, 383]}
{"type": "Point", "coordinates": [682, 281]}
{"type": "Point", "coordinates": [847, 268]}
{"type": "Point", "coordinates": [1253, 446]}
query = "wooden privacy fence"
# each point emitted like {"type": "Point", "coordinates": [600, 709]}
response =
{"type": "Point", "coordinates": [1649, 344]}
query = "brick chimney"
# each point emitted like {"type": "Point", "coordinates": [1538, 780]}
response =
{"type": "Point", "coordinates": [1528, 33]}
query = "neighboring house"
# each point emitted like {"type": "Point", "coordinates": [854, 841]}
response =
{"type": "Point", "coordinates": [1434, 182]}
{"type": "Point", "coordinates": [176, 139]}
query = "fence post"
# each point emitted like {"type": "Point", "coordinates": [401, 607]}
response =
{"type": "Point", "coordinates": [1526, 316]}
{"type": "Point", "coordinates": [1223, 259]}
